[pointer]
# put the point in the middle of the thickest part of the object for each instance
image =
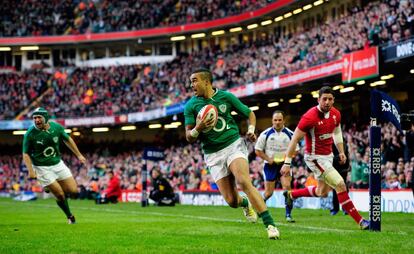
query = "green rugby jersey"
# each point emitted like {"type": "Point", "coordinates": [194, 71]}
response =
{"type": "Point", "coordinates": [226, 131]}
{"type": "Point", "coordinates": [43, 146]}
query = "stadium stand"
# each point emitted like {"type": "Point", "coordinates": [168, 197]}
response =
{"type": "Point", "coordinates": [62, 17]}
{"type": "Point", "coordinates": [90, 91]}
{"type": "Point", "coordinates": [105, 91]}
{"type": "Point", "coordinates": [185, 169]}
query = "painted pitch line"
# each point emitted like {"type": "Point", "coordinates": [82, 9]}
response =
{"type": "Point", "coordinates": [320, 229]}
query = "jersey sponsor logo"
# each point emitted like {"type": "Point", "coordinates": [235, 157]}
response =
{"type": "Point", "coordinates": [39, 142]}
{"type": "Point", "coordinates": [325, 136]}
{"type": "Point", "coordinates": [55, 139]}
{"type": "Point", "coordinates": [49, 151]}
{"type": "Point", "coordinates": [223, 108]}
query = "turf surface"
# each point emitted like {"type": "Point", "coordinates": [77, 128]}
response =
{"type": "Point", "coordinates": [40, 227]}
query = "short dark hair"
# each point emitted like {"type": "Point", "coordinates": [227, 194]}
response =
{"type": "Point", "coordinates": [279, 112]}
{"type": "Point", "coordinates": [205, 74]}
{"type": "Point", "coordinates": [326, 89]}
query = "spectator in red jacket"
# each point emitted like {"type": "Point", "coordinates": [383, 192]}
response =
{"type": "Point", "coordinates": [113, 191]}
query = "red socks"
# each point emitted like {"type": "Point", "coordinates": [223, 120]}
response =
{"type": "Point", "coordinates": [306, 192]}
{"type": "Point", "coordinates": [343, 199]}
{"type": "Point", "coordinates": [348, 206]}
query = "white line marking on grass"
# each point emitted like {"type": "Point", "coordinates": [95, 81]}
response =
{"type": "Point", "coordinates": [315, 230]}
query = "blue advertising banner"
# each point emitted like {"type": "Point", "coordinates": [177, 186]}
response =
{"type": "Point", "coordinates": [15, 124]}
{"type": "Point", "coordinates": [399, 51]}
{"type": "Point", "coordinates": [153, 154]}
{"type": "Point", "coordinates": [176, 108]}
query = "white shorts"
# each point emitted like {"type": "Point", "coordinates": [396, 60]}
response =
{"type": "Point", "coordinates": [46, 175]}
{"type": "Point", "coordinates": [219, 162]}
{"type": "Point", "coordinates": [320, 164]}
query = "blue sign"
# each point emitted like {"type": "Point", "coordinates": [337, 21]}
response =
{"type": "Point", "coordinates": [15, 124]}
{"type": "Point", "coordinates": [399, 51]}
{"type": "Point", "coordinates": [153, 154]}
{"type": "Point", "coordinates": [385, 109]}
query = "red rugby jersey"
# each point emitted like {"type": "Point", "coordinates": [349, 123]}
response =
{"type": "Point", "coordinates": [319, 128]}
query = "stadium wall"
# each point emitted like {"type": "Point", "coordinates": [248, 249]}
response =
{"type": "Point", "coordinates": [392, 201]}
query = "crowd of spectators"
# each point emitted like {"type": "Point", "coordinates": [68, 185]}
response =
{"type": "Point", "coordinates": [71, 17]}
{"type": "Point", "coordinates": [136, 88]}
{"type": "Point", "coordinates": [185, 169]}
{"type": "Point", "coordinates": [77, 92]}
{"type": "Point", "coordinates": [397, 157]}
{"type": "Point", "coordinates": [17, 91]}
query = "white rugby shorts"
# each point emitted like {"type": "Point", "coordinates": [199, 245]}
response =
{"type": "Point", "coordinates": [219, 162]}
{"type": "Point", "coordinates": [319, 164]}
{"type": "Point", "coordinates": [46, 175]}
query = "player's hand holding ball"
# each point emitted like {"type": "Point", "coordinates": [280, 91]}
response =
{"type": "Point", "coordinates": [207, 118]}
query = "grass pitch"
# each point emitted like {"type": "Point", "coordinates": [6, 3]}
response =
{"type": "Point", "coordinates": [40, 227]}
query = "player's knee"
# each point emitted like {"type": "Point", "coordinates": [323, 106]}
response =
{"type": "Point", "coordinates": [334, 179]}
{"type": "Point", "coordinates": [321, 193]}
{"type": "Point", "coordinates": [340, 187]}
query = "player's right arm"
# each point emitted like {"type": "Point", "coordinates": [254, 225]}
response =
{"type": "Point", "coordinates": [192, 129]}
{"type": "Point", "coordinates": [29, 166]}
{"type": "Point", "coordinates": [297, 136]}
{"type": "Point", "coordinates": [26, 157]}
{"type": "Point", "coordinates": [192, 132]}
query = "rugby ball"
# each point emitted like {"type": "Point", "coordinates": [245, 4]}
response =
{"type": "Point", "coordinates": [210, 112]}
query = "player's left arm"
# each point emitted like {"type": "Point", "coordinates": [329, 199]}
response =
{"type": "Point", "coordinates": [246, 112]}
{"type": "Point", "coordinates": [252, 126]}
{"type": "Point", "coordinates": [339, 143]}
{"type": "Point", "coordinates": [74, 148]}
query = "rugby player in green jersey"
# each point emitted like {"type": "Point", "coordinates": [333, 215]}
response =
{"type": "Point", "coordinates": [225, 153]}
{"type": "Point", "coordinates": [41, 154]}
